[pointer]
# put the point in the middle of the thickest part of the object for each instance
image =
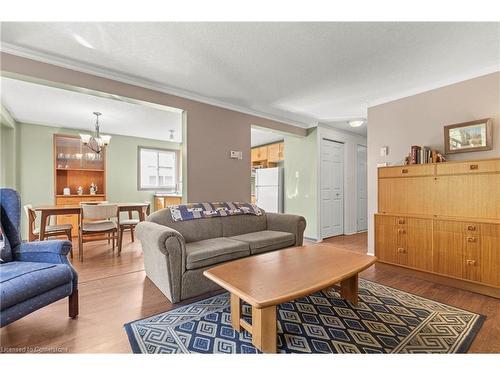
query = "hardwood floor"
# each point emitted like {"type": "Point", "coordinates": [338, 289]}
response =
{"type": "Point", "coordinates": [114, 290]}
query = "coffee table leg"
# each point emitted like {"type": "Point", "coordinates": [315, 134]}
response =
{"type": "Point", "coordinates": [349, 289]}
{"type": "Point", "coordinates": [264, 329]}
{"type": "Point", "coordinates": [235, 312]}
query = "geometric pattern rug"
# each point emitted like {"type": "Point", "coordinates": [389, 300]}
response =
{"type": "Point", "coordinates": [386, 320]}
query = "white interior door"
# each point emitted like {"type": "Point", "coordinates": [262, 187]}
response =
{"type": "Point", "coordinates": [362, 191]}
{"type": "Point", "coordinates": [332, 188]}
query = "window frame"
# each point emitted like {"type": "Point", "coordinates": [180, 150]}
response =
{"type": "Point", "coordinates": [176, 171]}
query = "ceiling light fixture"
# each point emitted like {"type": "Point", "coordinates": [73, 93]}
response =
{"type": "Point", "coordinates": [356, 123]}
{"type": "Point", "coordinates": [97, 141]}
{"type": "Point", "coordinates": [83, 41]}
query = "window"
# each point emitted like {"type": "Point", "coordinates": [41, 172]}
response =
{"type": "Point", "coordinates": [158, 169]}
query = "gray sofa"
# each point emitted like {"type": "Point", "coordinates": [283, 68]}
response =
{"type": "Point", "coordinates": [177, 253]}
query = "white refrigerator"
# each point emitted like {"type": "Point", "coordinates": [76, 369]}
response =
{"type": "Point", "coordinates": [269, 189]}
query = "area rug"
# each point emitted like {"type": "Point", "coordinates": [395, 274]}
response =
{"type": "Point", "coordinates": [386, 320]}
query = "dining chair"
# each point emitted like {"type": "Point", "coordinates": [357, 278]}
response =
{"type": "Point", "coordinates": [50, 230]}
{"type": "Point", "coordinates": [131, 222]}
{"type": "Point", "coordinates": [97, 220]}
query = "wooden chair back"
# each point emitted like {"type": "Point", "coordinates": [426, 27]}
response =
{"type": "Point", "coordinates": [99, 211]}
{"type": "Point", "coordinates": [31, 216]}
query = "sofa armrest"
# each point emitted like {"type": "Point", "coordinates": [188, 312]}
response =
{"type": "Point", "coordinates": [294, 224]}
{"type": "Point", "coordinates": [164, 251]}
{"type": "Point", "coordinates": [53, 251]}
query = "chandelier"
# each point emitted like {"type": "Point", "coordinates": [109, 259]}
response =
{"type": "Point", "coordinates": [97, 141]}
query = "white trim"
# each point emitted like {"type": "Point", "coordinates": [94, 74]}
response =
{"type": "Point", "coordinates": [6, 117]}
{"type": "Point", "coordinates": [136, 81]}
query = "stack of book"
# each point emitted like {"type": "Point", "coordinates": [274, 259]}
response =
{"type": "Point", "coordinates": [423, 155]}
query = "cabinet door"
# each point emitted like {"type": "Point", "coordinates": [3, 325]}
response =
{"type": "Point", "coordinates": [386, 238]}
{"type": "Point", "coordinates": [273, 152]}
{"type": "Point", "coordinates": [392, 195]}
{"type": "Point", "coordinates": [471, 195]}
{"type": "Point", "coordinates": [448, 247]}
{"type": "Point", "coordinates": [263, 153]}
{"type": "Point", "coordinates": [490, 254]}
{"type": "Point", "coordinates": [420, 195]}
{"type": "Point", "coordinates": [281, 150]}
{"type": "Point", "coordinates": [255, 155]}
{"type": "Point", "coordinates": [419, 243]}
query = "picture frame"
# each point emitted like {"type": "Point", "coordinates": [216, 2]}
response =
{"type": "Point", "coordinates": [469, 136]}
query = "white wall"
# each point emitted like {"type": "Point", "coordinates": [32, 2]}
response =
{"type": "Point", "coordinates": [419, 120]}
{"type": "Point", "coordinates": [351, 142]}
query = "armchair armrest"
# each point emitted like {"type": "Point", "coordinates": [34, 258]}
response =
{"type": "Point", "coordinates": [294, 224]}
{"type": "Point", "coordinates": [164, 251]}
{"type": "Point", "coordinates": [54, 251]}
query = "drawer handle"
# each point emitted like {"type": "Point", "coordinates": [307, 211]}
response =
{"type": "Point", "coordinates": [401, 231]}
{"type": "Point", "coordinates": [404, 170]}
{"type": "Point", "coordinates": [474, 166]}
{"type": "Point", "coordinates": [471, 239]}
{"type": "Point", "coordinates": [401, 250]}
{"type": "Point", "coordinates": [470, 262]}
{"type": "Point", "coordinates": [401, 221]}
{"type": "Point", "coordinates": [471, 228]}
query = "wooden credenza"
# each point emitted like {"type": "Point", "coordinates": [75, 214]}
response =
{"type": "Point", "coordinates": [443, 219]}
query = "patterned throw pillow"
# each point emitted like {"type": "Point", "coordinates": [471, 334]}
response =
{"type": "Point", "coordinates": [191, 211]}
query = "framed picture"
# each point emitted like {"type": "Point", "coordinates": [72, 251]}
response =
{"type": "Point", "coordinates": [468, 136]}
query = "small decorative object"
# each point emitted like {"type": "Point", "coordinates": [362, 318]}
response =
{"type": "Point", "coordinates": [93, 189]}
{"type": "Point", "coordinates": [78, 156]}
{"type": "Point", "coordinates": [79, 191]}
{"type": "Point", "coordinates": [59, 166]}
{"type": "Point", "coordinates": [66, 166]}
{"type": "Point", "coordinates": [469, 136]}
{"type": "Point", "coordinates": [60, 155]}
{"type": "Point", "coordinates": [66, 191]}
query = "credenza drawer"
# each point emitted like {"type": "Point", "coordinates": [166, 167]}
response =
{"type": "Point", "coordinates": [407, 171]}
{"type": "Point", "coordinates": [480, 166]}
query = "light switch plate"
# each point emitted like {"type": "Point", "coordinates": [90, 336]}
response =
{"type": "Point", "coordinates": [384, 151]}
{"type": "Point", "coordinates": [236, 155]}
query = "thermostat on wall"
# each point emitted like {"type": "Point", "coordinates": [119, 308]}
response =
{"type": "Point", "coordinates": [236, 155]}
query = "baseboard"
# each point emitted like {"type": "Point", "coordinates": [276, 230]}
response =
{"type": "Point", "coordinates": [446, 280]}
{"type": "Point", "coordinates": [312, 239]}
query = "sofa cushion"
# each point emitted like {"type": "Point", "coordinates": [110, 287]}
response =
{"type": "Point", "coordinates": [242, 224]}
{"type": "Point", "coordinates": [214, 250]}
{"type": "Point", "coordinates": [20, 281]}
{"type": "Point", "coordinates": [192, 230]}
{"type": "Point", "coordinates": [266, 240]}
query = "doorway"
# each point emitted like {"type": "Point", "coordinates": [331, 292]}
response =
{"type": "Point", "coordinates": [361, 189]}
{"type": "Point", "coordinates": [332, 188]}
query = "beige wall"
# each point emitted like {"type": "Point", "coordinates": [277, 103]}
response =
{"type": "Point", "coordinates": [419, 120]}
{"type": "Point", "coordinates": [211, 131]}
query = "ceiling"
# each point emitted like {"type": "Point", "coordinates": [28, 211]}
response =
{"type": "Point", "coordinates": [50, 106]}
{"type": "Point", "coordinates": [261, 136]}
{"type": "Point", "coordinates": [303, 73]}
{"type": "Point", "coordinates": [344, 125]}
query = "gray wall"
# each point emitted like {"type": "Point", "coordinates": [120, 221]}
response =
{"type": "Point", "coordinates": [419, 120]}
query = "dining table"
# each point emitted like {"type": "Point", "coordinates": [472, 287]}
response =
{"type": "Point", "coordinates": [52, 210]}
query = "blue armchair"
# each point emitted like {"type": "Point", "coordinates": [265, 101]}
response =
{"type": "Point", "coordinates": [32, 274]}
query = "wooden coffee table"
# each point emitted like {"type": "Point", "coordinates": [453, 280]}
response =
{"type": "Point", "coordinates": [267, 280]}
